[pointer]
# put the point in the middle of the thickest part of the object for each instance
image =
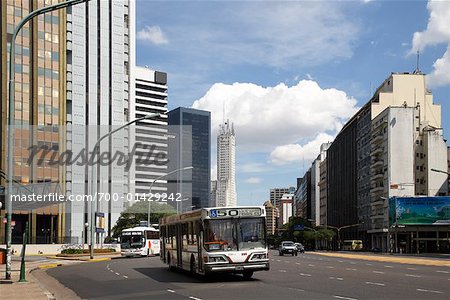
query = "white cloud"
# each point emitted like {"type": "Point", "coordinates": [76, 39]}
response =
{"type": "Point", "coordinates": [253, 180]}
{"type": "Point", "coordinates": [293, 153]}
{"type": "Point", "coordinates": [437, 32]}
{"type": "Point", "coordinates": [252, 168]}
{"type": "Point", "coordinates": [152, 34]}
{"type": "Point", "coordinates": [266, 117]}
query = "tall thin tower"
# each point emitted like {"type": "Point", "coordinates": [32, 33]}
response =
{"type": "Point", "coordinates": [226, 166]}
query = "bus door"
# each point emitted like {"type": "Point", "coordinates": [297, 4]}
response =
{"type": "Point", "coordinates": [179, 242]}
{"type": "Point", "coordinates": [199, 232]}
{"type": "Point", "coordinates": [162, 251]}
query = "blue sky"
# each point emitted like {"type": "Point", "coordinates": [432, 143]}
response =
{"type": "Point", "coordinates": [288, 74]}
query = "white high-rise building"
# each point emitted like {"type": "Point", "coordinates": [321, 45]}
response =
{"type": "Point", "coordinates": [100, 51]}
{"type": "Point", "coordinates": [226, 166]}
{"type": "Point", "coordinates": [150, 136]}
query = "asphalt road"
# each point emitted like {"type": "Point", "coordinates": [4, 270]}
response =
{"type": "Point", "coordinates": [307, 276]}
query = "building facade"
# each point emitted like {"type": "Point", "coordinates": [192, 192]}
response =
{"type": "Point", "coordinates": [272, 216]}
{"type": "Point", "coordinates": [277, 193]}
{"type": "Point", "coordinates": [100, 52]}
{"type": "Point", "coordinates": [285, 205]}
{"type": "Point", "coordinates": [226, 166]}
{"type": "Point", "coordinates": [150, 135]}
{"type": "Point", "coordinates": [192, 149]}
{"type": "Point", "coordinates": [39, 113]}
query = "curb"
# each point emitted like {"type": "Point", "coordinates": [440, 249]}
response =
{"type": "Point", "coordinates": [48, 266]}
{"type": "Point", "coordinates": [98, 259]}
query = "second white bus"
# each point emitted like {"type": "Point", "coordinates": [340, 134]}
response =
{"type": "Point", "coordinates": [140, 241]}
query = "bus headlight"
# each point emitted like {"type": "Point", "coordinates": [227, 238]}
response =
{"type": "Point", "coordinates": [258, 256]}
{"type": "Point", "coordinates": [215, 259]}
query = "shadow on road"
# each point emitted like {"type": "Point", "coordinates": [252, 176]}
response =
{"type": "Point", "coordinates": [163, 274]}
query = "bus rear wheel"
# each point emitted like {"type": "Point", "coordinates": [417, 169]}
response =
{"type": "Point", "coordinates": [247, 274]}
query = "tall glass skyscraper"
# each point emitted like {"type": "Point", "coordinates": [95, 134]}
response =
{"type": "Point", "coordinates": [191, 130]}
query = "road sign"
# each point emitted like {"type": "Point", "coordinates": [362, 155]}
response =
{"type": "Point", "coordinates": [299, 227]}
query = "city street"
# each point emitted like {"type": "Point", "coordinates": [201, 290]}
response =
{"type": "Point", "coordinates": [307, 276]}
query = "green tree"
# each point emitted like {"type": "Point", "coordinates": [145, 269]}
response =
{"type": "Point", "coordinates": [139, 212]}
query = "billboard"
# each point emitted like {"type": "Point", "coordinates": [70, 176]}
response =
{"type": "Point", "coordinates": [419, 211]}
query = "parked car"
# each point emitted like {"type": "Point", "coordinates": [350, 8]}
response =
{"type": "Point", "coordinates": [375, 250]}
{"type": "Point", "coordinates": [300, 247]}
{"type": "Point", "coordinates": [288, 247]}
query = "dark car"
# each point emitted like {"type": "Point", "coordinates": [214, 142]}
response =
{"type": "Point", "coordinates": [375, 250]}
{"type": "Point", "coordinates": [300, 247]}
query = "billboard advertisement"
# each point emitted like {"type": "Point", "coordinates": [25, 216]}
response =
{"type": "Point", "coordinates": [419, 211]}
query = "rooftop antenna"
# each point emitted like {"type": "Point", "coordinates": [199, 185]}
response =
{"type": "Point", "coordinates": [417, 70]}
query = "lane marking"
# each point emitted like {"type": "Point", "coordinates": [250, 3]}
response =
{"type": "Point", "coordinates": [303, 274]}
{"type": "Point", "coordinates": [340, 261]}
{"type": "Point", "coordinates": [369, 265]}
{"type": "Point", "coordinates": [339, 278]}
{"type": "Point", "coordinates": [125, 276]}
{"type": "Point", "coordinates": [330, 267]}
{"type": "Point", "coordinates": [298, 290]}
{"type": "Point", "coordinates": [378, 272]}
{"type": "Point", "coordinates": [298, 263]}
{"type": "Point", "coordinates": [170, 291]}
{"type": "Point", "coordinates": [286, 261]}
{"type": "Point", "coordinates": [445, 272]}
{"type": "Point", "coordinates": [282, 271]}
{"type": "Point", "coordinates": [194, 298]}
{"type": "Point", "coordinates": [278, 260]}
{"type": "Point", "coordinates": [348, 269]}
{"type": "Point", "coordinates": [311, 265]}
{"type": "Point", "coordinates": [411, 269]}
{"type": "Point", "coordinates": [411, 275]}
{"type": "Point", "coordinates": [429, 291]}
{"type": "Point", "coordinates": [375, 283]}
{"type": "Point", "coordinates": [117, 274]}
{"type": "Point", "coordinates": [111, 271]}
{"type": "Point", "coordinates": [388, 266]}
{"type": "Point", "coordinates": [352, 263]}
{"type": "Point", "coordinates": [345, 298]}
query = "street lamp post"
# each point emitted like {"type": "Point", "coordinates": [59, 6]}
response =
{"type": "Point", "coordinates": [338, 229]}
{"type": "Point", "coordinates": [93, 185]}
{"type": "Point", "coordinates": [11, 86]}
{"type": "Point", "coordinates": [156, 179]}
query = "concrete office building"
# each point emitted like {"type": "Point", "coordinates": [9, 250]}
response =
{"type": "Point", "coordinates": [100, 52]}
{"type": "Point", "coordinates": [277, 193]}
{"type": "Point", "coordinates": [387, 149]}
{"type": "Point", "coordinates": [285, 205]}
{"type": "Point", "coordinates": [315, 187]}
{"type": "Point", "coordinates": [226, 166]}
{"type": "Point", "coordinates": [149, 135]}
{"type": "Point", "coordinates": [39, 110]}
{"type": "Point", "coordinates": [192, 149]}
{"type": "Point", "coordinates": [272, 216]}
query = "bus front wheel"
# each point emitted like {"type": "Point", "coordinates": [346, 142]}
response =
{"type": "Point", "coordinates": [247, 274]}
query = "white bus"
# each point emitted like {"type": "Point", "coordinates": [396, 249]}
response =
{"type": "Point", "coordinates": [140, 241]}
{"type": "Point", "coordinates": [219, 239]}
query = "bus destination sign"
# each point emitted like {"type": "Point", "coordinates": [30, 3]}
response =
{"type": "Point", "coordinates": [235, 212]}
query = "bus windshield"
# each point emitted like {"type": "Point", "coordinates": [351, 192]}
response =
{"type": "Point", "coordinates": [131, 241]}
{"type": "Point", "coordinates": [234, 234]}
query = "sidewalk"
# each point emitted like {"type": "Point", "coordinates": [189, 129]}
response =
{"type": "Point", "coordinates": [434, 260]}
{"type": "Point", "coordinates": [39, 284]}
